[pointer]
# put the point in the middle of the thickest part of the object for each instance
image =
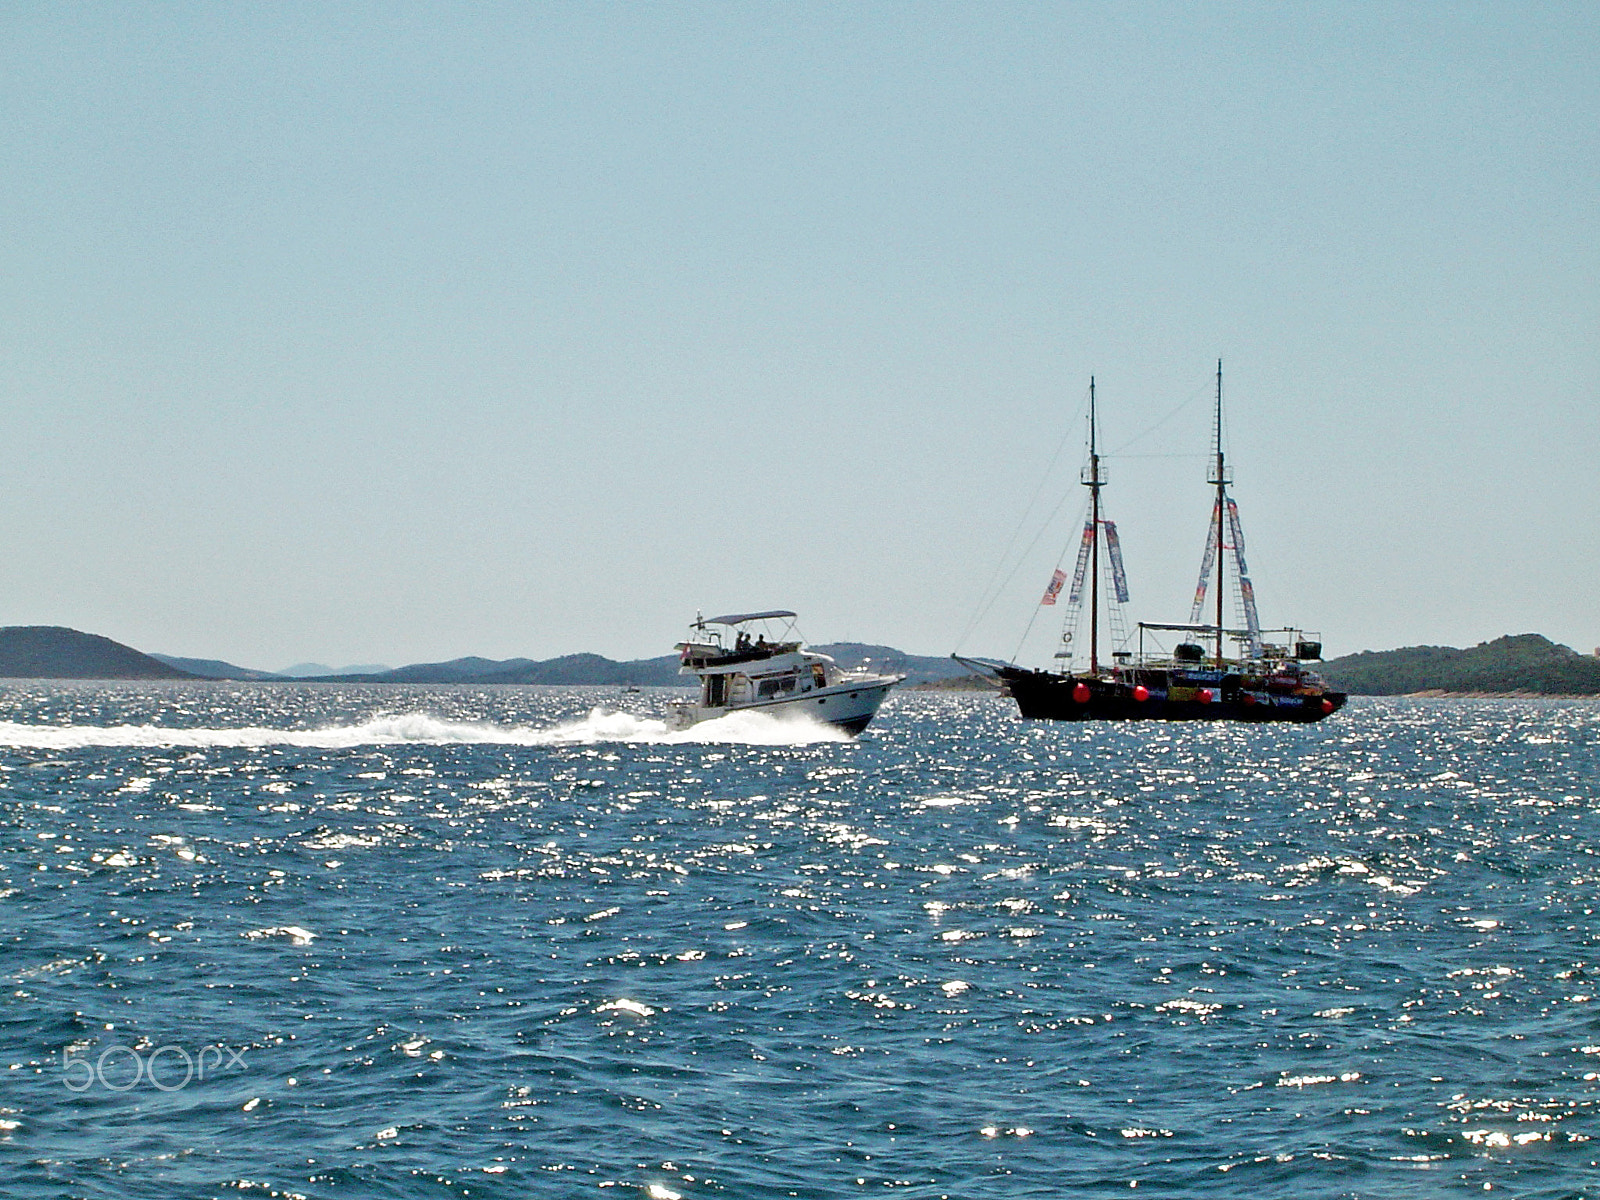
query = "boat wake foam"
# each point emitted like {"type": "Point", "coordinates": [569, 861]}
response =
{"type": "Point", "coordinates": [599, 726]}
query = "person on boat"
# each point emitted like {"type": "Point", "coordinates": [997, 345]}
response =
{"type": "Point", "coordinates": [741, 643]}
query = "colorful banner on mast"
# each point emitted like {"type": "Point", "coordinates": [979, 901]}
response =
{"type": "Point", "coordinates": [1076, 595]}
{"type": "Point", "coordinates": [1205, 565]}
{"type": "Point", "coordinates": [1119, 577]}
{"type": "Point", "coordinates": [1247, 591]}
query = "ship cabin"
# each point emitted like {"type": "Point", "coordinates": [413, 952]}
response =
{"type": "Point", "coordinates": [1270, 660]}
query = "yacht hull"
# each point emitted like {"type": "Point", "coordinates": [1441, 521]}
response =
{"type": "Point", "coordinates": [850, 708]}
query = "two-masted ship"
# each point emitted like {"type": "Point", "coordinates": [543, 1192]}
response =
{"type": "Point", "coordinates": [1261, 676]}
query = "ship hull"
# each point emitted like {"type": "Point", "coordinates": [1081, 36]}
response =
{"type": "Point", "coordinates": [1168, 696]}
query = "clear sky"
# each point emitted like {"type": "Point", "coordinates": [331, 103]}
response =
{"type": "Point", "coordinates": [398, 332]}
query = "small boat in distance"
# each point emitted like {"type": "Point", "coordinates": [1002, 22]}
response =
{"type": "Point", "coordinates": [1265, 679]}
{"type": "Point", "coordinates": [779, 677]}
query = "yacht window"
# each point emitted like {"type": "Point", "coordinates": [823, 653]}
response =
{"type": "Point", "coordinates": [777, 684]}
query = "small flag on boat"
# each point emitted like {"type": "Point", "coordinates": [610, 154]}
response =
{"type": "Point", "coordinates": [1057, 581]}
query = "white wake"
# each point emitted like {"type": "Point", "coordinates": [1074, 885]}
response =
{"type": "Point", "coordinates": [743, 728]}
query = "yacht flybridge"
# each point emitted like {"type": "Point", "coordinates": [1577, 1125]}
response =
{"type": "Point", "coordinates": [741, 668]}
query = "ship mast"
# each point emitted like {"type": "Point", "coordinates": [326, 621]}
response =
{"type": "Point", "coordinates": [1219, 476]}
{"type": "Point", "coordinates": [1093, 480]}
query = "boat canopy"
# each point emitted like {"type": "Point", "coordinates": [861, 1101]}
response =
{"type": "Point", "coordinates": [1211, 629]}
{"type": "Point", "coordinates": [1233, 633]}
{"type": "Point", "coordinates": [741, 618]}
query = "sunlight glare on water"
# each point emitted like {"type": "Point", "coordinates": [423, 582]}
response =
{"type": "Point", "coordinates": [524, 941]}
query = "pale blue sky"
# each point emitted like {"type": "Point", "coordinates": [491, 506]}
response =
{"type": "Point", "coordinates": [400, 332]}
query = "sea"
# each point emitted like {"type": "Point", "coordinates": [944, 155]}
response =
{"type": "Point", "coordinates": [275, 940]}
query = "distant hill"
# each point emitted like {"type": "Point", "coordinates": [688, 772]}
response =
{"type": "Point", "coordinates": [590, 669]}
{"type": "Point", "coordinates": [458, 670]}
{"type": "Point", "coordinates": [212, 668]}
{"type": "Point", "coordinates": [917, 668]}
{"type": "Point", "coordinates": [1525, 662]}
{"type": "Point", "coordinates": [308, 670]}
{"type": "Point", "coordinates": [661, 672]}
{"type": "Point", "coordinates": [55, 652]}
{"type": "Point", "coordinates": [958, 683]}
{"type": "Point", "coordinates": [593, 669]}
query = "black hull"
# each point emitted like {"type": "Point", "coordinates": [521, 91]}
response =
{"type": "Point", "coordinates": [1047, 696]}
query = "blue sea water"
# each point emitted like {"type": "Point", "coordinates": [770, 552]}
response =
{"type": "Point", "coordinates": [442, 942]}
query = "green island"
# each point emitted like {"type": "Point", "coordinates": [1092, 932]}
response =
{"type": "Point", "coordinates": [1524, 664]}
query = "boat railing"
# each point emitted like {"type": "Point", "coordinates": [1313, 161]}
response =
{"type": "Point", "coordinates": [1258, 648]}
{"type": "Point", "coordinates": [698, 655]}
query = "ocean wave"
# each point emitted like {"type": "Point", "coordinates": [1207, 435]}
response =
{"type": "Point", "coordinates": [599, 726]}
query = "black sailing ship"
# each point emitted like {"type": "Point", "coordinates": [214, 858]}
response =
{"type": "Point", "coordinates": [1264, 679]}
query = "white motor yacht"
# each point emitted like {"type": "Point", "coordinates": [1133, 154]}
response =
{"type": "Point", "coordinates": [740, 672]}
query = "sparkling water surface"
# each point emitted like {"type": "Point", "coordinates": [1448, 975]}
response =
{"type": "Point", "coordinates": [493, 942]}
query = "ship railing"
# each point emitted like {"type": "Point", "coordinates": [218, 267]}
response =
{"type": "Point", "coordinates": [1269, 645]}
